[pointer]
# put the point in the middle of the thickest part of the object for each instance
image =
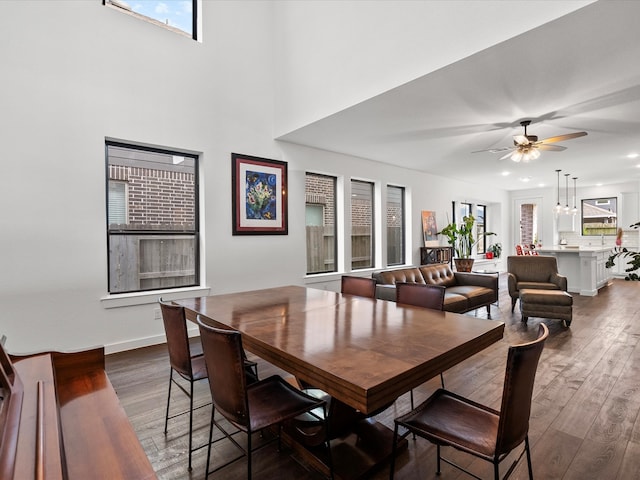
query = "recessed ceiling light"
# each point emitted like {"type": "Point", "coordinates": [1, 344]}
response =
{"type": "Point", "coordinates": [525, 179]}
{"type": "Point", "coordinates": [633, 155]}
{"type": "Point", "coordinates": [505, 173]}
{"type": "Point", "coordinates": [541, 185]}
{"type": "Point", "coordinates": [598, 184]}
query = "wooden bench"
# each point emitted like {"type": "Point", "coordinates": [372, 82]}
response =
{"type": "Point", "coordinates": [64, 421]}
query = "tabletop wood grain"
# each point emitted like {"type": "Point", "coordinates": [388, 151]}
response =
{"type": "Point", "coordinates": [365, 352]}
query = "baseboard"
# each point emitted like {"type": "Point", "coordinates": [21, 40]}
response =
{"type": "Point", "coordinates": [143, 342]}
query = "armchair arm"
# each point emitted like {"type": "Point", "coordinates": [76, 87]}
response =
{"type": "Point", "coordinates": [559, 280]}
{"type": "Point", "coordinates": [512, 283]}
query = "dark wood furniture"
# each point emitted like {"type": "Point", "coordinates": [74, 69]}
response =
{"type": "Point", "coordinates": [429, 255]}
{"type": "Point", "coordinates": [63, 421]}
{"type": "Point", "coordinates": [249, 408]}
{"type": "Point", "coordinates": [448, 419]}
{"type": "Point", "coordinates": [363, 352]}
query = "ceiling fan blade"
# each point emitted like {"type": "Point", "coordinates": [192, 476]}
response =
{"type": "Point", "coordinates": [520, 139]}
{"type": "Point", "coordinates": [551, 148]}
{"type": "Point", "coordinates": [494, 150]}
{"type": "Point", "coordinates": [504, 157]}
{"type": "Point", "coordinates": [561, 138]}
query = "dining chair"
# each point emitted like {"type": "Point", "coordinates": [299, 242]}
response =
{"type": "Point", "coordinates": [448, 419]}
{"type": "Point", "coordinates": [360, 286]}
{"type": "Point", "coordinates": [188, 366]}
{"type": "Point", "coordinates": [248, 407]}
{"type": "Point", "coordinates": [421, 295]}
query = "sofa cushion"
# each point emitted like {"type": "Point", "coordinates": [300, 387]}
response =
{"type": "Point", "coordinates": [475, 295]}
{"type": "Point", "coordinates": [438, 274]}
{"type": "Point", "coordinates": [454, 302]}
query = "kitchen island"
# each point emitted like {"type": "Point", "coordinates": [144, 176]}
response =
{"type": "Point", "coordinates": [584, 267]}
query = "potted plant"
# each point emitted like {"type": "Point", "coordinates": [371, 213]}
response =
{"type": "Point", "coordinates": [460, 237]}
{"type": "Point", "coordinates": [495, 249]}
{"type": "Point", "coordinates": [632, 259]}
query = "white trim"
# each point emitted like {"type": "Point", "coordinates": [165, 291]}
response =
{"type": "Point", "coordinates": [144, 298]}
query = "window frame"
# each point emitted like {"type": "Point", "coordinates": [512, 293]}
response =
{"type": "Point", "coordinates": [372, 246]}
{"type": "Point", "coordinates": [158, 233]}
{"type": "Point", "coordinates": [403, 222]}
{"type": "Point", "coordinates": [335, 222]}
{"type": "Point", "coordinates": [117, 5]}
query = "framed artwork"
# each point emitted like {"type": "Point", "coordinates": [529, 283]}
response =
{"type": "Point", "coordinates": [259, 195]}
{"type": "Point", "coordinates": [429, 228]}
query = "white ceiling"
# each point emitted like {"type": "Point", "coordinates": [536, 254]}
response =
{"type": "Point", "coordinates": [580, 72]}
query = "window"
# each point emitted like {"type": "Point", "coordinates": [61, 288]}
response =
{"type": "Point", "coordinates": [481, 228]}
{"type": "Point", "coordinates": [152, 218]}
{"type": "Point", "coordinates": [361, 224]}
{"type": "Point", "coordinates": [465, 210]}
{"type": "Point", "coordinates": [177, 15]}
{"type": "Point", "coordinates": [320, 221]}
{"type": "Point", "coordinates": [599, 216]}
{"type": "Point", "coordinates": [395, 225]}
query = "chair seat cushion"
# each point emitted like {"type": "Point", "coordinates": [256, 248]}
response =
{"type": "Point", "coordinates": [448, 419]}
{"type": "Point", "coordinates": [536, 286]}
{"type": "Point", "coordinates": [546, 297]}
{"type": "Point", "coordinates": [273, 400]}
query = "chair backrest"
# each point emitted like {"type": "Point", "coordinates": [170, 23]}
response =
{"type": "Point", "coordinates": [532, 268]}
{"type": "Point", "coordinates": [175, 328]}
{"type": "Point", "coordinates": [522, 363]}
{"type": "Point", "coordinates": [223, 355]}
{"type": "Point", "coordinates": [426, 296]}
{"type": "Point", "coordinates": [360, 286]}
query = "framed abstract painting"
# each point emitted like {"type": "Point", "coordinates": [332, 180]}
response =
{"type": "Point", "coordinates": [259, 195]}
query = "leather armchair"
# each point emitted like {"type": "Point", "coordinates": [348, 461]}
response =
{"type": "Point", "coordinates": [533, 271]}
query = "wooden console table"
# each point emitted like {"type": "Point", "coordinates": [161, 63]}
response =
{"type": "Point", "coordinates": [429, 255]}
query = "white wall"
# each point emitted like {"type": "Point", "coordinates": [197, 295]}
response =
{"type": "Point", "coordinates": [333, 55]}
{"type": "Point", "coordinates": [77, 72]}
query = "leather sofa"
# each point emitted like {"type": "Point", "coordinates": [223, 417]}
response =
{"type": "Point", "coordinates": [537, 272]}
{"type": "Point", "coordinates": [463, 291]}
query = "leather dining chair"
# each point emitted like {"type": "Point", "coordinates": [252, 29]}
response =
{"type": "Point", "coordinates": [448, 419]}
{"type": "Point", "coordinates": [360, 286]}
{"type": "Point", "coordinates": [248, 407]}
{"type": "Point", "coordinates": [421, 295]}
{"type": "Point", "coordinates": [188, 366]}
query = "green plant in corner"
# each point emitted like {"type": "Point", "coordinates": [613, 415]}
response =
{"type": "Point", "coordinates": [460, 237]}
{"type": "Point", "coordinates": [632, 259]}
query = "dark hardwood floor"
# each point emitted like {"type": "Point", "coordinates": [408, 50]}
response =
{"type": "Point", "coordinates": [585, 421]}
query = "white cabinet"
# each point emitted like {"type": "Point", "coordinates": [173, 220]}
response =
{"type": "Point", "coordinates": [603, 274]}
{"type": "Point", "coordinates": [628, 210]}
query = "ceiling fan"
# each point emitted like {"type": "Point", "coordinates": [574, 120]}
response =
{"type": "Point", "coordinates": [527, 147]}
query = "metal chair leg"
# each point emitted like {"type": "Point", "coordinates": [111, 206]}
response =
{"type": "Point", "coordinates": [526, 446]}
{"type": "Point", "coordinates": [166, 417]}
{"type": "Point", "coordinates": [190, 422]}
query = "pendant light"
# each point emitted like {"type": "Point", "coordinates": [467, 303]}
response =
{"type": "Point", "coordinates": [558, 207]}
{"type": "Point", "coordinates": [574, 210]}
{"type": "Point", "coordinates": [566, 192]}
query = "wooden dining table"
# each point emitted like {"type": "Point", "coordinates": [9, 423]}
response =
{"type": "Point", "coordinates": [363, 352]}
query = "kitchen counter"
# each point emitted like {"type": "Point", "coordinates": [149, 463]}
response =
{"type": "Point", "coordinates": [584, 266]}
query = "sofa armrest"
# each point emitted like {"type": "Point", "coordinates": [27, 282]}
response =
{"type": "Point", "coordinates": [559, 280]}
{"type": "Point", "coordinates": [477, 280]}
